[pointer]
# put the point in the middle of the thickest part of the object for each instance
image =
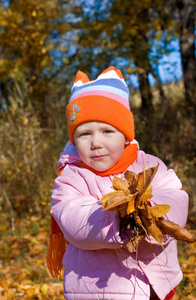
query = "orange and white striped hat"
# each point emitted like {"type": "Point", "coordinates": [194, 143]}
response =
{"type": "Point", "coordinates": [105, 99]}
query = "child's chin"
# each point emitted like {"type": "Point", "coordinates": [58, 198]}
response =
{"type": "Point", "coordinates": [101, 168]}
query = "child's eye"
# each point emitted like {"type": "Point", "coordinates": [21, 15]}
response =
{"type": "Point", "coordinates": [107, 131]}
{"type": "Point", "coordinates": [84, 134]}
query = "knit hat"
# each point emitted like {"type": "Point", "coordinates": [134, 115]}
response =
{"type": "Point", "coordinates": [105, 99]}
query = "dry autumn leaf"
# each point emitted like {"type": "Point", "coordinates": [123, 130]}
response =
{"type": "Point", "coordinates": [150, 226]}
{"type": "Point", "coordinates": [120, 184]}
{"type": "Point", "coordinates": [133, 243]}
{"type": "Point", "coordinates": [176, 231]}
{"type": "Point", "coordinates": [145, 178]}
{"type": "Point", "coordinates": [147, 195]}
{"type": "Point", "coordinates": [130, 199]}
{"type": "Point", "coordinates": [158, 210]}
{"type": "Point", "coordinates": [131, 205]}
{"type": "Point", "coordinates": [114, 199]}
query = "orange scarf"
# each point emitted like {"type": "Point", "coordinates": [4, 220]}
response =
{"type": "Point", "coordinates": [57, 242]}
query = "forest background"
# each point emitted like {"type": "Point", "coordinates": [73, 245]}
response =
{"type": "Point", "coordinates": [43, 43]}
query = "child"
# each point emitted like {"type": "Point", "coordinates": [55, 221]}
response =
{"type": "Point", "coordinates": [97, 262]}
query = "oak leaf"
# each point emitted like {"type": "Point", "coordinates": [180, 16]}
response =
{"type": "Point", "coordinates": [175, 230]}
{"type": "Point", "coordinates": [120, 184]}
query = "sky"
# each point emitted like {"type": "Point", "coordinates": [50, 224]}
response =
{"type": "Point", "coordinates": [169, 67]}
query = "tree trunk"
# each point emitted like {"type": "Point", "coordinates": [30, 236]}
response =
{"type": "Point", "coordinates": [146, 95]}
{"type": "Point", "coordinates": [164, 100]}
{"type": "Point", "coordinates": [187, 46]}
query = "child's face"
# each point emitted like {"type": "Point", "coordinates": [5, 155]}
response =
{"type": "Point", "coordinates": [99, 145]}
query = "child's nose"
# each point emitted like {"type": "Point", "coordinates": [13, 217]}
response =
{"type": "Point", "coordinates": [96, 141]}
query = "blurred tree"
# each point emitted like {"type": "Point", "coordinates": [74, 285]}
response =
{"type": "Point", "coordinates": [130, 30]}
{"type": "Point", "coordinates": [38, 39]}
{"type": "Point", "coordinates": [32, 38]}
{"type": "Point", "coordinates": [187, 45]}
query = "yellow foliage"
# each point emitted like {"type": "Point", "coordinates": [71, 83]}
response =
{"type": "Point", "coordinates": [23, 34]}
{"type": "Point", "coordinates": [25, 274]}
{"type": "Point", "coordinates": [34, 13]}
{"type": "Point", "coordinates": [158, 36]}
{"type": "Point", "coordinates": [168, 38]}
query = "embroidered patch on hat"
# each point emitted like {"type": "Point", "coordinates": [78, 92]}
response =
{"type": "Point", "coordinates": [74, 110]}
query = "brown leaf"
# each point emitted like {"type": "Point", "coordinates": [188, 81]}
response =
{"type": "Point", "coordinates": [176, 231]}
{"type": "Point", "coordinates": [132, 179]}
{"type": "Point", "coordinates": [120, 184]}
{"type": "Point", "coordinates": [133, 243]}
{"type": "Point", "coordinates": [130, 199]}
{"type": "Point", "coordinates": [141, 180]}
{"type": "Point", "coordinates": [147, 194]}
{"type": "Point", "coordinates": [123, 211]}
{"type": "Point", "coordinates": [113, 200]}
{"type": "Point", "coordinates": [131, 204]}
{"type": "Point", "coordinates": [145, 179]}
{"type": "Point", "coordinates": [151, 226]}
{"type": "Point", "coordinates": [158, 210]}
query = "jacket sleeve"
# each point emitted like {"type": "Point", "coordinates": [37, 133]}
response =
{"type": "Point", "coordinates": [80, 215]}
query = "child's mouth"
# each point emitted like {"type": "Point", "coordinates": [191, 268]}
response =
{"type": "Point", "coordinates": [98, 157]}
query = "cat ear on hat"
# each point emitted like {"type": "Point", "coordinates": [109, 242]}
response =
{"type": "Point", "coordinates": [111, 68]}
{"type": "Point", "coordinates": [81, 76]}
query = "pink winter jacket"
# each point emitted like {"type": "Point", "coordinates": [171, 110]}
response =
{"type": "Point", "coordinates": [97, 262]}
